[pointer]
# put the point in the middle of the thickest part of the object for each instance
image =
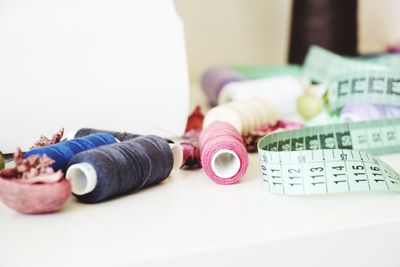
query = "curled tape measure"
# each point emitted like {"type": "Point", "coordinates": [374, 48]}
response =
{"type": "Point", "coordinates": [337, 157]}
{"type": "Point", "coordinates": [322, 65]}
{"type": "Point", "coordinates": [331, 158]}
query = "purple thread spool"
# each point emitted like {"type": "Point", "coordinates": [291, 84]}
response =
{"type": "Point", "coordinates": [365, 112]}
{"type": "Point", "coordinates": [215, 78]}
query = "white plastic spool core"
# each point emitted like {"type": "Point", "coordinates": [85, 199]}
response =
{"type": "Point", "coordinates": [177, 153]}
{"type": "Point", "coordinates": [83, 178]}
{"type": "Point", "coordinates": [225, 163]}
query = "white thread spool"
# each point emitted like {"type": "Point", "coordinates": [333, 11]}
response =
{"type": "Point", "coordinates": [280, 91]}
{"type": "Point", "coordinates": [244, 115]}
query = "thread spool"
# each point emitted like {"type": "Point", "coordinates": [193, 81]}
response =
{"type": "Point", "coordinates": [62, 152]}
{"type": "Point", "coordinates": [214, 79]}
{"type": "Point", "coordinates": [331, 24]}
{"type": "Point", "coordinates": [121, 136]}
{"type": "Point", "coordinates": [110, 171]}
{"type": "Point", "coordinates": [281, 92]}
{"type": "Point", "coordinates": [244, 115]}
{"type": "Point", "coordinates": [223, 155]}
{"type": "Point", "coordinates": [176, 148]}
{"type": "Point", "coordinates": [366, 112]}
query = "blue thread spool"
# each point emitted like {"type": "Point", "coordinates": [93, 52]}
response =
{"type": "Point", "coordinates": [63, 152]}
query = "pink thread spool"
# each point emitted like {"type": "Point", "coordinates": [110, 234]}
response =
{"type": "Point", "coordinates": [223, 154]}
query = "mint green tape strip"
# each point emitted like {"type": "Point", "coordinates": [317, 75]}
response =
{"type": "Point", "coordinates": [323, 66]}
{"type": "Point", "coordinates": [373, 87]}
{"type": "Point", "coordinates": [253, 72]}
{"type": "Point", "coordinates": [388, 60]}
{"type": "Point", "coordinates": [331, 159]}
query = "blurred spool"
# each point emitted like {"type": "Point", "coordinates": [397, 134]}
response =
{"type": "Point", "coordinates": [215, 78]}
{"type": "Point", "coordinates": [366, 112]}
{"type": "Point", "coordinates": [331, 24]}
{"type": "Point", "coordinates": [281, 92]}
{"type": "Point", "coordinates": [244, 115]}
{"type": "Point", "coordinates": [223, 156]}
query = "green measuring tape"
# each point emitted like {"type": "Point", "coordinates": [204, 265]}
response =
{"type": "Point", "coordinates": [322, 65]}
{"type": "Point", "coordinates": [376, 87]}
{"type": "Point", "coordinates": [337, 157]}
{"type": "Point", "coordinates": [253, 72]}
{"type": "Point", "coordinates": [331, 158]}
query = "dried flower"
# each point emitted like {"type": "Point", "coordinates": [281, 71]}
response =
{"type": "Point", "coordinates": [44, 141]}
{"type": "Point", "coordinates": [34, 169]}
{"type": "Point", "coordinates": [195, 120]}
{"type": "Point", "coordinates": [251, 139]}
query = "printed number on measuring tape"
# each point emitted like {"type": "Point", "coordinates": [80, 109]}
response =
{"type": "Point", "coordinates": [332, 158]}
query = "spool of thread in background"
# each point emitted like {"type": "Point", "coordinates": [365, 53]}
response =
{"type": "Point", "coordinates": [63, 152]}
{"type": "Point", "coordinates": [331, 24]}
{"type": "Point", "coordinates": [281, 92]}
{"type": "Point", "coordinates": [244, 115]}
{"type": "Point", "coordinates": [215, 78]}
{"type": "Point", "coordinates": [223, 156]}
{"type": "Point", "coordinates": [115, 170]}
{"type": "Point", "coordinates": [366, 112]}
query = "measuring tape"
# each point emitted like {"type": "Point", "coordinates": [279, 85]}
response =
{"type": "Point", "coordinates": [322, 65]}
{"type": "Point", "coordinates": [373, 87]}
{"type": "Point", "coordinates": [331, 158]}
{"type": "Point", "coordinates": [337, 157]}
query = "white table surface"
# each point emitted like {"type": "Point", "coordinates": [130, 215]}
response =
{"type": "Point", "coordinates": [188, 220]}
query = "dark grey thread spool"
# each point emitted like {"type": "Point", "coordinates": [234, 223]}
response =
{"type": "Point", "coordinates": [121, 136]}
{"type": "Point", "coordinates": [114, 170]}
{"type": "Point", "coordinates": [331, 24]}
{"type": "Point", "coordinates": [176, 148]}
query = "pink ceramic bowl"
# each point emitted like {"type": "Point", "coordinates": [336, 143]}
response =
{"type": "Point", "coordinates": [34, 198]}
